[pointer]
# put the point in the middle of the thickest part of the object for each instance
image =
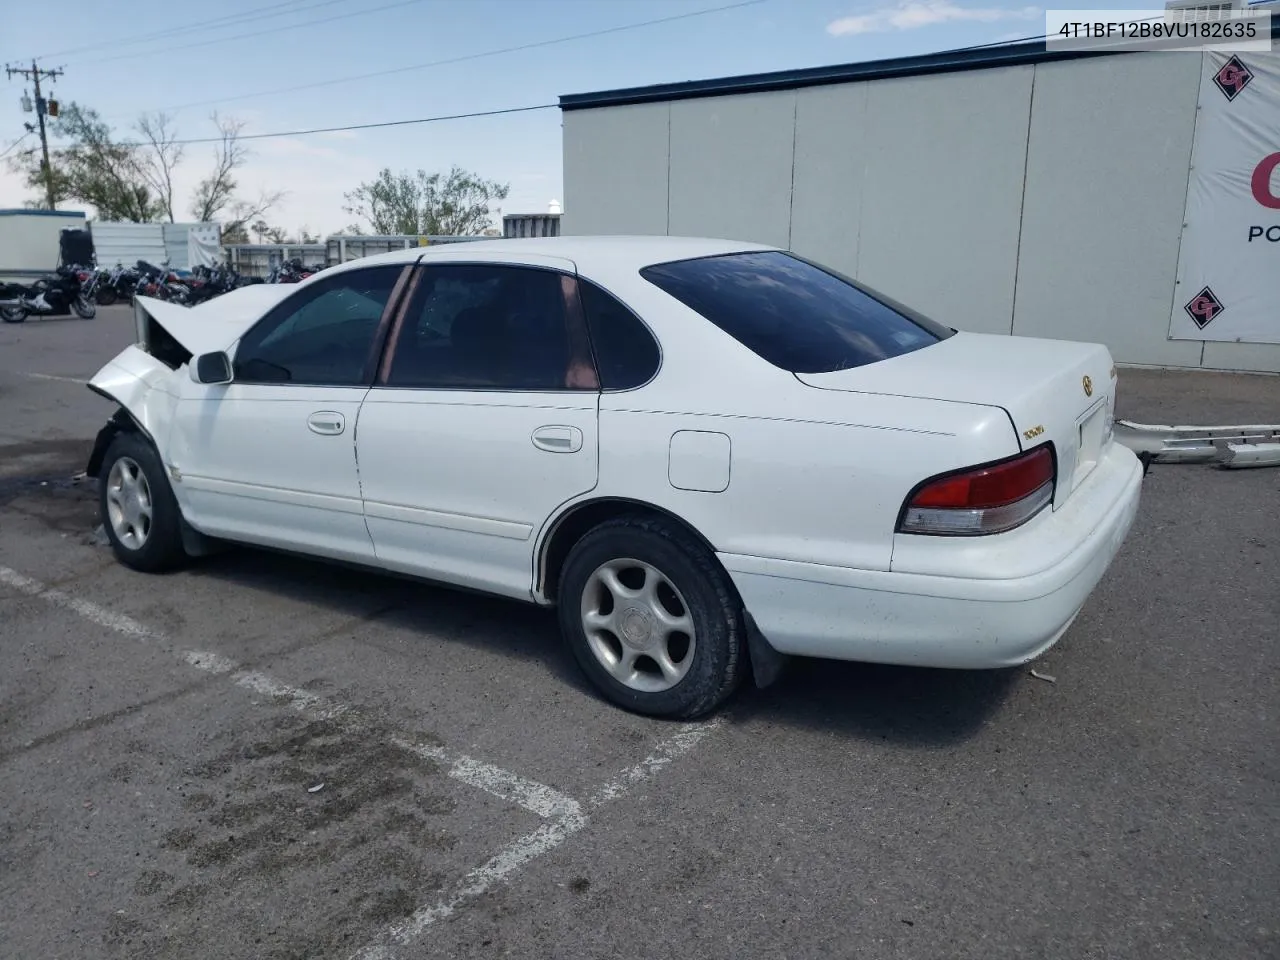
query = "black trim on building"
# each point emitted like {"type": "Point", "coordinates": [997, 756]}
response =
{"type": "Point", "coordinates": [948, 61]}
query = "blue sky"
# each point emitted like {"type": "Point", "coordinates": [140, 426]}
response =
{"type": "Point", "coordinates": [298, 47]}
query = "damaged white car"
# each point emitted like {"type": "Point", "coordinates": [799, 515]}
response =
{"type": "Point", "coordinates": [707, 454]}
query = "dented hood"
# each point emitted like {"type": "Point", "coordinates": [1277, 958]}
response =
{"type": "Point", "coordinates": [215, 324]}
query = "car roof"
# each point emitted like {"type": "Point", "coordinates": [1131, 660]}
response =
{"type": "Point", "coordinates": [588, 252]}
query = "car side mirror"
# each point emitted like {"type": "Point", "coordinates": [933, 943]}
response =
{"type": "Point", "coordinates": [211, 368]}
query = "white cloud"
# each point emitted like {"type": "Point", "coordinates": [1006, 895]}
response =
{"type": "Point", "coordinates": [913, 14]}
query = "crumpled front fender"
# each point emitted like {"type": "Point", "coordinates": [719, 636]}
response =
{"type": "Point", "coordinates": [144, 388]}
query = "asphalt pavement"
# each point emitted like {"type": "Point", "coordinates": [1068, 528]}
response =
{"type": "Point", "coordinates": [263, 757]}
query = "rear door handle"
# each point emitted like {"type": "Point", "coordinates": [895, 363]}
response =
{"type": "Point", "coordinates": [327, 422]}
{"type": "Point", "coordinates": [558, 439]}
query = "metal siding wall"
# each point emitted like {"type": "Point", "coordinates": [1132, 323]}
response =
{"type": "Point", "coordinates": [175, 244]}
{"type": "Point", "coordinates": [615, 170]}
{"type": "Point", "coordinates": [29, 243]}
{"type": "Point", "coordinates": [1107, 172]}
{"type": "Point", "coordinates": [259, 259]}
{"type": "Point", "coordinates": [944, 193]}
{"type": "Point", "coordinates": [1262, 357]}
{"type": "Point", "coordinates": [917, 187]}
{"type": "Point", "coordinates": [731, 167]}
{"type": "Point", "coordinates": [531, 225]}
{"type": "Point", "coordinates": [832, 146]}
{"type": "Point", "coordinates": [127, 243]}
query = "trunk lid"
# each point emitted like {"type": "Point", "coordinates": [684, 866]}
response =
{"type": "Point", "coordinates": [1056, 391]}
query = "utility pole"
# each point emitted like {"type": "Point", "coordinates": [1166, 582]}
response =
{"type": "Point", "coordinates": [34, 75]}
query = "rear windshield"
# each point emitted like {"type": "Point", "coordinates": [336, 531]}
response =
{"type": "Point", "coordinates": [793, 313]}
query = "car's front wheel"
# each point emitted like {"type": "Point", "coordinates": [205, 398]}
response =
{"type": "Point", "coordinates": [652, 619]}
{"type": "Point", "coordinates": [139, 512]}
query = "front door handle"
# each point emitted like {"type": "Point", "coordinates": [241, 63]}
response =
{"type": "Point", "coordinates": [327, 422]}
{"type": "Point", "coordinates": [558, 439]}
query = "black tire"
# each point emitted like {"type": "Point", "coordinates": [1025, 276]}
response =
{"type": "Point", "coordinates": [13, 314]}
{"type": "Point", "coordinates": [85, 308]}
{"type": "Point", "coordinates": [719, 656]}
{"type": "Point", "coordinates": [106, 296]}
{"type": "Point", "coordinates": [161, 550]}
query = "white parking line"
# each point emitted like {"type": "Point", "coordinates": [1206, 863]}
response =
{"type": "Point", "coordinates": [533, 845]}
{"type": "Point", "coordinates": [564, 815]}
{"type": "Point", "coordinates": [536, 798]}
{"type": "Point", "coordinates": [90, 611]}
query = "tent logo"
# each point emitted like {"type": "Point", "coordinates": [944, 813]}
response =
{"type": "Point", "coordinates": [1203, 308]}
{"type": "Point", "coordinates": [1233, 78]}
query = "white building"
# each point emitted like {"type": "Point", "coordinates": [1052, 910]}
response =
{"type": "Point", "coordinates": [1011, 189]}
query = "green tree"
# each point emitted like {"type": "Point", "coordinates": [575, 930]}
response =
{"type": "Point", "coordinates": [89, 166]}
{"type": "Point", "coordinates": [455, 204]}
{"type": "Point", "coordinates": [134, 180]}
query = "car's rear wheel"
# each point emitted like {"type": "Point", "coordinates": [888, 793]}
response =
{"type": "Point", "coordinates": [652, 618]}
{"type": "Point", "coordinates": [139, 512]}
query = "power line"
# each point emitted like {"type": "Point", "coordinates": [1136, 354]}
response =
{"type": "Point", "coordinates": [9, 149]}
{"type": "Point", "coordinates": [281, 9]}
{"type": "Point", "coordinates": [360, 126]}
{"type": "Point", "coordinates": [473, 56]}
{"type": "Point", "coordinates": [471, 115]}
{"type": "Point", "coordinates": [421, 120]}
{"type": "Point", "coordinates": [35, 74]}
{"type": "Point", "coordinates": [257, 33]}
{"type": "Point", "coordinates": [505, 110]}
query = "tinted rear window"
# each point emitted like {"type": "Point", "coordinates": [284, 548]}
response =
{"type": "Point", "coordinates": [793, 313]}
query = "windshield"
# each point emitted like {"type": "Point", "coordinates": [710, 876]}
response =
{"type": "Point", "coordinates": [793, 313]}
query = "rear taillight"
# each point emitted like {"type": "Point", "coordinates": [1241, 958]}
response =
{"type": "Point", "coordinates": [982, 500]}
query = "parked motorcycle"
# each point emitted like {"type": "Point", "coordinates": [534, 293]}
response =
{"type": "Point", "coordinates": [115, 285]}
{"type": "Point", "coordinates": [160, 283]}
{"type": "Point", "coordinates": [92, 281]}
{"type": "Point", "coordinates": [57, 294]}
{"type": "Point", "coordinates": [210, 282]}
{"type": "Point", "coordinates": [292, 271]}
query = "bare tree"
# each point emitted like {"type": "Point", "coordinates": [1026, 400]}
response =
{"type": "Point", "coordinates": [156, 163]}
{"type": "Point", "coordinates": [243, 211]}
{"type": "Point", "coordinates": [216, 191]}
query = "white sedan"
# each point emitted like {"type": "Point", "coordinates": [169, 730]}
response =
{"type": "Point", "coordinates": [706, 454]}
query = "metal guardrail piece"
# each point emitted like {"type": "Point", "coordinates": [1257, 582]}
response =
{"type": "Point", "coordinates": [1234, 447]}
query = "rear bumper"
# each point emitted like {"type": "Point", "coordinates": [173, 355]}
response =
{"type": "Point", "coordinates": [1027, 599]}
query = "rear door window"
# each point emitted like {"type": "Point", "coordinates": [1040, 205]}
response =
{"type": "Point", "coordinates": [489, 327]}
{"type": "Point", "coordinates": [795, 314]}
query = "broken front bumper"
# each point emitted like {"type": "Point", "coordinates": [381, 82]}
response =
{"type": "Point", "coordinates": [1250, 445]}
